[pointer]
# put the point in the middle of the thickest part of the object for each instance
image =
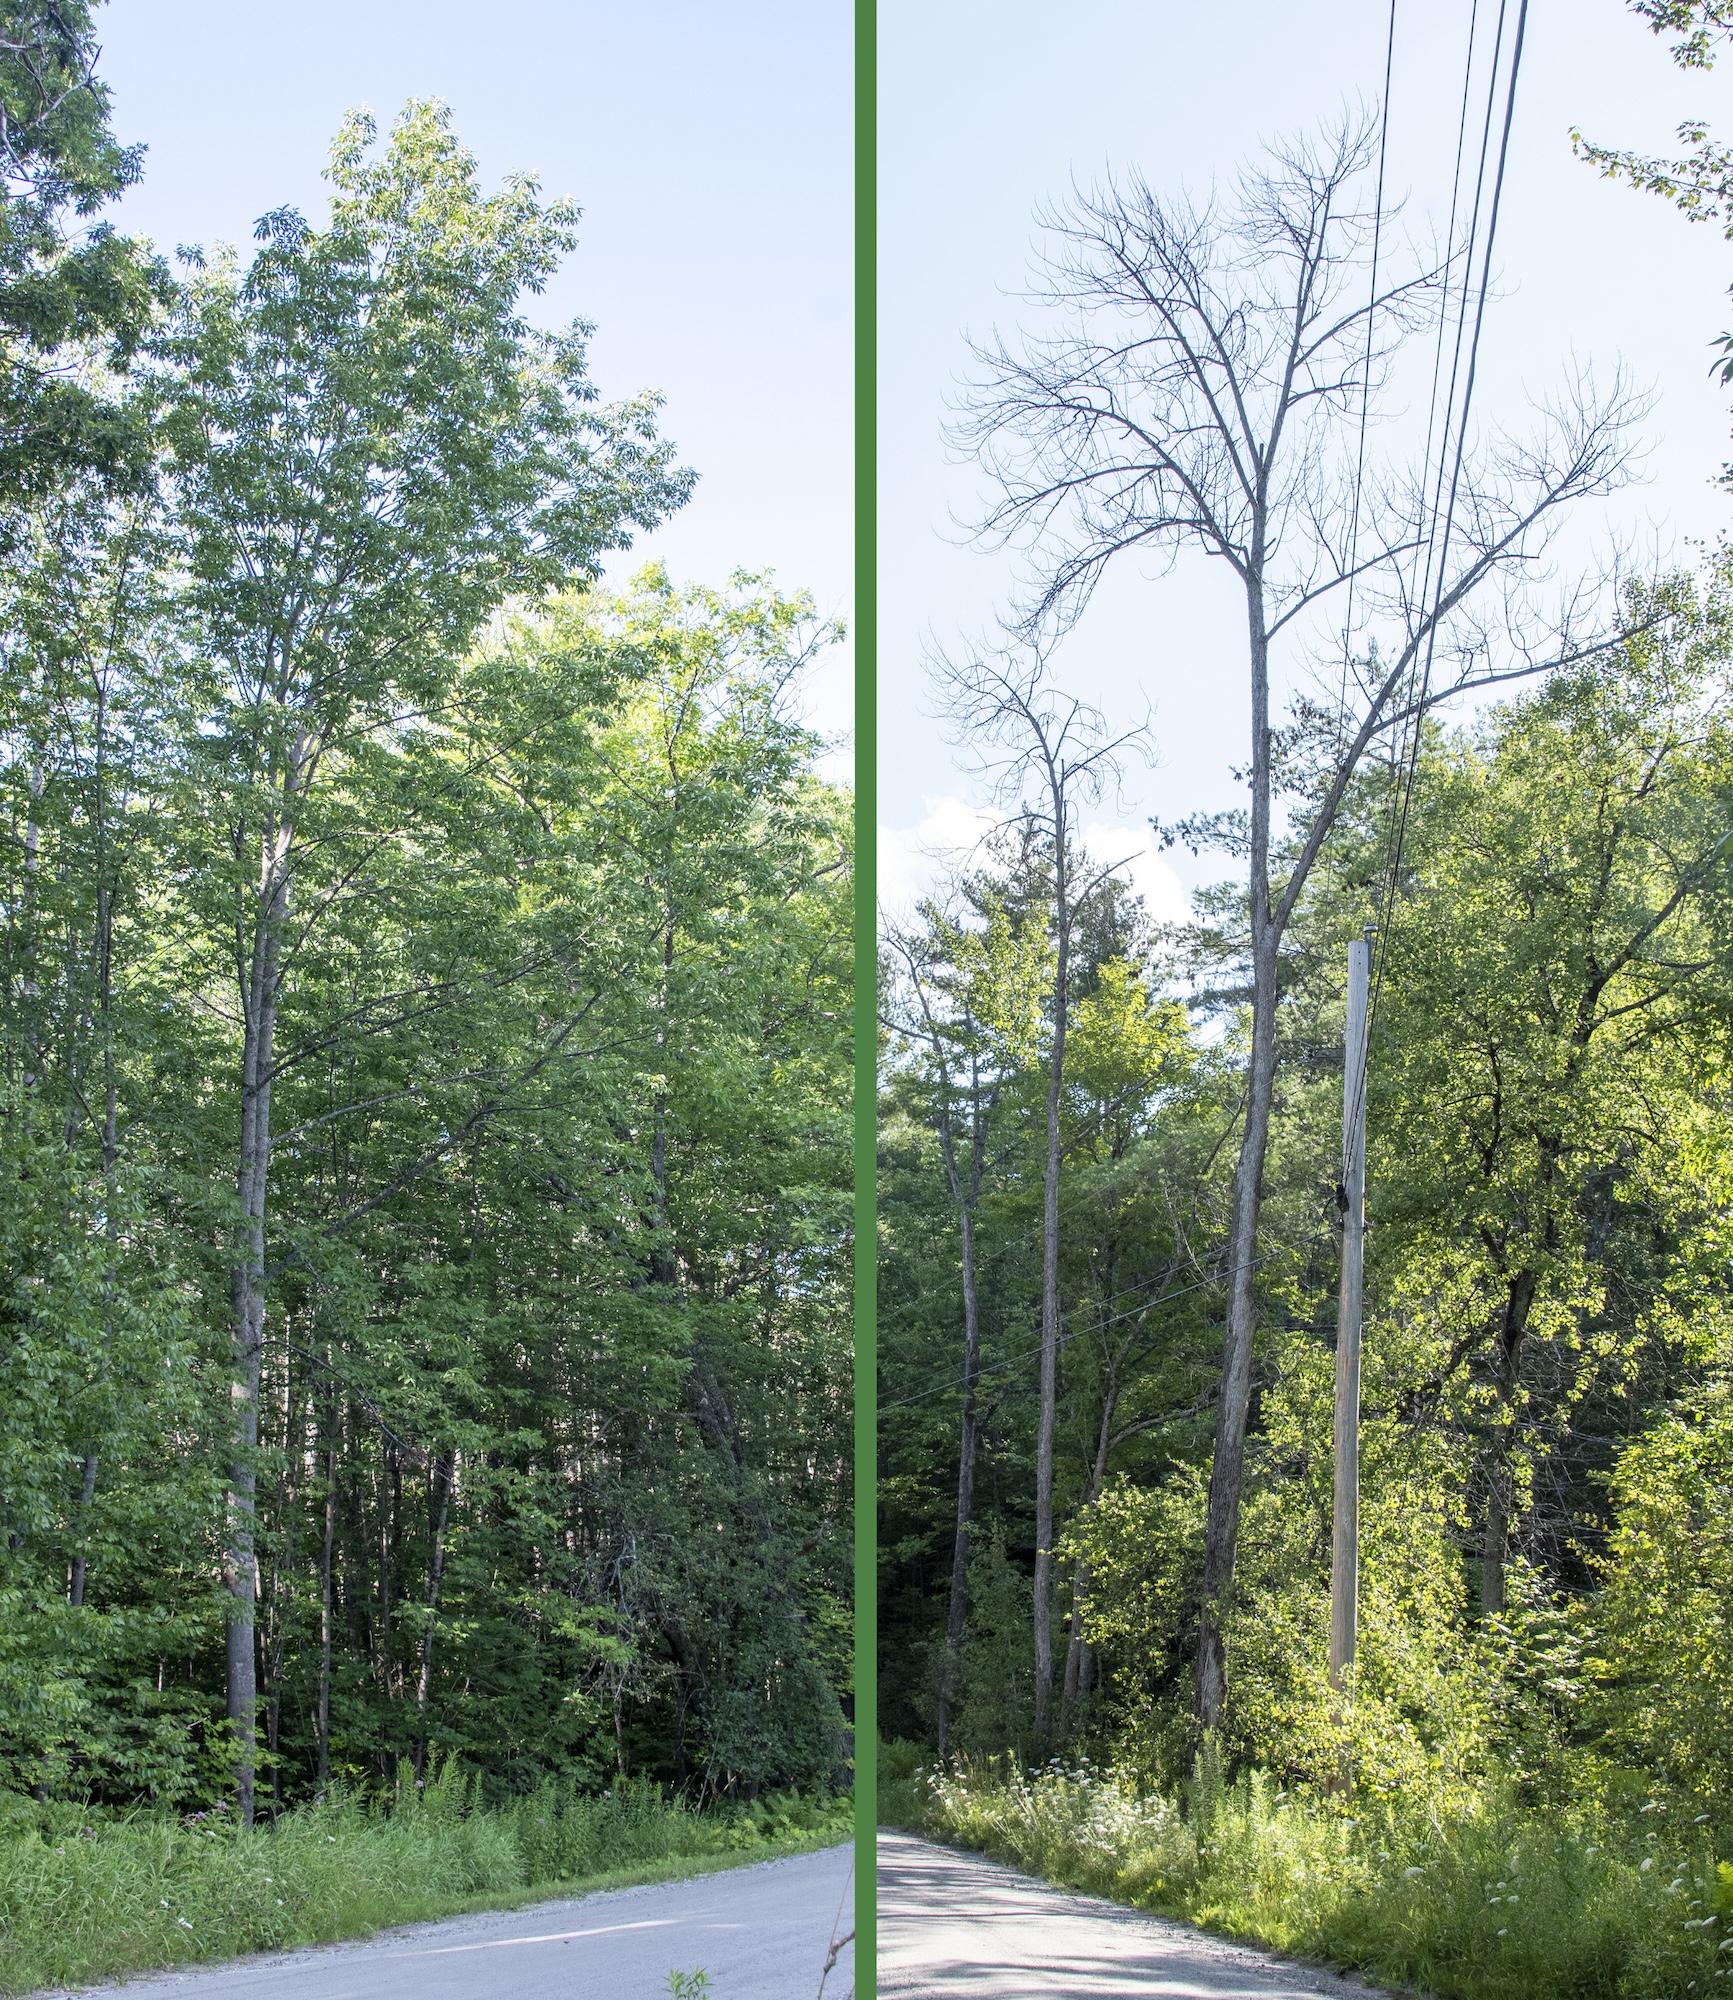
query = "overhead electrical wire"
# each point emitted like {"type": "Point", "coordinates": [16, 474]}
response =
{"type": "Point", "coordinates": [1433, 574]}
{"type": "Point", "coordinates": [1353, 550]}
{"type": "Point", "coordinates": [1433, 554]}
{"type": "Point", "coordinates": [1437, 420]}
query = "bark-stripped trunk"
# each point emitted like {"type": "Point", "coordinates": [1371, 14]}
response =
{"type": "Point", "coordinates": [1050, 1286]}
{"type": "Point", "coordinates": [445, 1477]}
{"type": "Point", "coordinates": [1227, 1470]}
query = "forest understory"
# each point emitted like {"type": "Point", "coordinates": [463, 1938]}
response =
{"type": "Point", "coordinates": [1526, 1788]}
{"type": "Point", "coordinates": [81, 1902]}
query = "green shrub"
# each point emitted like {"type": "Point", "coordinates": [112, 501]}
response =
{"type": "Point", "coordinates": [1469, 1896]}
{"type": "Point", "coordinates": [85, 1900]}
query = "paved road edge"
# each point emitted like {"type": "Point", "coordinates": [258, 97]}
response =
{"type": "Point", "coordinates": [1268, 1953]}
{"type": "Point", "coordinates": [675, 1868]}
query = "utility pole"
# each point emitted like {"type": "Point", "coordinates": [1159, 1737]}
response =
{"type": "Point", "coordinates": [1345, 1535]}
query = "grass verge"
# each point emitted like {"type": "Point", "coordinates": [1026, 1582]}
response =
{"type": "Point", "coordinates": [85, 1902]}
{"type": "Point", "coordinates": [1470, 1898]}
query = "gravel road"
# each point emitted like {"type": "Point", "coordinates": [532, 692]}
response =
{"type": "Point", "coordinates": [956, 1927]}
{"type": "Point", "coordinates": [760, 1932]}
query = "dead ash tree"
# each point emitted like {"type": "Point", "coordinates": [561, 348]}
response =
{"type": "Point", "coordinates": [1202, 383]}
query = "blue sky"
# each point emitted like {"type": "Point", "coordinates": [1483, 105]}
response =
{"type": "Point", "coordinates": [987, 109]}
{"type": "Point", "coordinates": [710, 147]}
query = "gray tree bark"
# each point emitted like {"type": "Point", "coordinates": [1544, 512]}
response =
{"type": "Point", "coordinates": [1050, 1309]}
{"type": "Point", "coordinates": [445, 1477]}
{"type": "Point", "coordinates": [323, 1718]}
{"type": "Point", "coordinates": [1500, 1496]}
{"type": "Point", "coordinates": [966, 1193]}
{"type": "Point", "coordinates": [1227, 1467]}
{"type": "Point", "coordinates": [260, 980]}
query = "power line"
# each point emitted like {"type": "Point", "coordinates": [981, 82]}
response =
{"type": "Point", "coordinates": [1366, 374]}
{"type": "Point", "coordinates": [1437, 542]}
{"type": "Point", "coordinates": [1437, 578]}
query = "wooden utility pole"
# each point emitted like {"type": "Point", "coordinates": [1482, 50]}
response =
{"type": "Point", "coordinates": [1345, 1537]}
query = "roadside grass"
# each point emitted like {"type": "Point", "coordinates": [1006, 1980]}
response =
{"type": "Point", "coordinates": [82, 1901]}
{"type": "Point", "coordinates": [1470, 1898]}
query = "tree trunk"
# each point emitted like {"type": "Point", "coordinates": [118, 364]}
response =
{"type": "Point", "coordinates": [1050, 1290]}
{"type": "Point", "coordinates": [260, 978]}
{"type": "Point", "coordinates": [110, 1223]}
{"type": "Point", "coordinates": [664, 1267]}
{"type": "Point", "coordinates": [324, 1716]}
{"type": "Point", "coordinates": [31, 955]}
{"type": "Point", "coordinates": [1076, 1644]}
{"type": "Point", "coordinates": [1072, 1691]}
{"type": "Point", "coordinates": [86, 1497]}
{"type": "Point", "coordinates": [688, 1682]}
{"type": "Point", "coordinates": [965, 1481]}
{"type": "Point", "coordinates": [276, 1627]}
{"type": "Point", "coordinates": [389, 1493]}
{"type": "Point", "coordinates": [1493, 1545]}
{"type": "Point", "coordinates": [247, 1302]}
{"type": "Point", "coordinates": [1500, 1499]}
{"type": "Point", "coordinates": [1227, 1470]}
{"type": "Point", "coordinates": [445, 1475]}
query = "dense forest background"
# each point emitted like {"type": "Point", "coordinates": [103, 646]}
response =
{"type": "Point", "coordinates": [424, 1025]}
{"type": "Point", "coordinates": [1545, 1583]}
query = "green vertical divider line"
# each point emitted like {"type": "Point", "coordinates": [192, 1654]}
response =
{"type": "Point", "coordinates": [866, 1734]}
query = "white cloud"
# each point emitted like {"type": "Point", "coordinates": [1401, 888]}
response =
{"type": "Point", "coordinates": [1142, 864]}
{"type": "Point", "coordinates": [915, 860]}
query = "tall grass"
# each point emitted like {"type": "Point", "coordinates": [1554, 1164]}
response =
{"type": "Point", "coordinates": [1470, 1898]}
{"type": "Point", "coordinates": [82, 1901]}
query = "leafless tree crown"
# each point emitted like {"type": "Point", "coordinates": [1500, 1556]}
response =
{"type": "Point", "coordinates": [1198, 380]}
{"type": "Point", "coordinates": [1024, 734]}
